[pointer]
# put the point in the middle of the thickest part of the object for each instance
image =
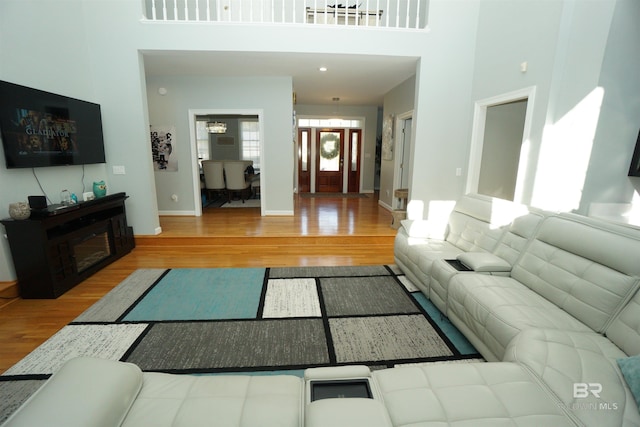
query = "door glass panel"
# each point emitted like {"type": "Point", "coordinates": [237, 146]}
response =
{"type": "Point", "coordinates": [354, 152]}
{"type": "Point", "coordinates": [305, 151]}
{"type": "Point", "coordinates": [330, 151]}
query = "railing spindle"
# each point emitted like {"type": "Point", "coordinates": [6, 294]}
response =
{"type": "Point", "coordinates": [388, 15]}
{"type": "Point", "coordinates": [153, 10]}
{"type": "Point", "coordinates": [325, 12]}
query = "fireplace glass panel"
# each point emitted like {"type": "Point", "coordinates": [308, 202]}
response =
{"type": "Point", "coordinates": [91, 250]}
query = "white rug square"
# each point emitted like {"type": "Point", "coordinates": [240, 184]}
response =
{"type": "Point", "coordinates": [291, 298]}
{"type": "Point", "coordinates": [408, 284]}
{"type": "Point", "coordinates": [101, 341]}
{"type": "Point", "coordinates": [365, 339]}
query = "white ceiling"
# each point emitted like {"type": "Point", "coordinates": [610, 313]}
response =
{"type": "Point", "coordinates": [355, 79]}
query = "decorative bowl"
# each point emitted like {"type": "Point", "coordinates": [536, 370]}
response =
{"type": "Point", "coordinates": [19, 210]}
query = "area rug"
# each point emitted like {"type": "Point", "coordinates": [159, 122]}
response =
{"type": "Point", "coordinates": [249, 320]}
{"type": "Point", "coordinates": [249, 203]}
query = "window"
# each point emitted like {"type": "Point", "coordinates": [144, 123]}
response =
{"type": "Point", "coordinates": [202, 140]}
{"type": "Point", "coordinates": [333, 123]}
{"type": "Point", "coordinates": [250, 141]}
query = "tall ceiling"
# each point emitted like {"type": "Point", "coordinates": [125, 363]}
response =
{"type": "Point", "coordinates": [355, 79]}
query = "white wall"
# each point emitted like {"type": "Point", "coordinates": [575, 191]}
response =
{"type": "Point", "coordinates": [581, 60]}
{"type": "Point", "coordinates": [442, 116]}
{"type": "Point", "coordinates": [272, 95]}
{"type": "Point", "coordinates": [607, 180]}
{"type": "Point", "coordinates": [399, 101]}
{"type": "Point", "coordinates": [66, 69]}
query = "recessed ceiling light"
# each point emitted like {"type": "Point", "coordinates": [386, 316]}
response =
{"type": "Point", "coordinates": [323, 69]}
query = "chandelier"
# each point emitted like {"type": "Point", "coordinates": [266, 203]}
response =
{"type": "Point", "coordinates": [216, 127]}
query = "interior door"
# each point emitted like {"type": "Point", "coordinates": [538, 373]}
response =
{"type": "Point", "coordinates": [329, 160]}
{"type": "Point", "coordinates": [355, 138]}
{"type": "Point", "coordinates": [304, 160]}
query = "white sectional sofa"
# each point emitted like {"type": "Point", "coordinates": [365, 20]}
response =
{"type": "Point", "coordinates": [550, 300]}
{"type": "Point", "coordinates": [556, 295]}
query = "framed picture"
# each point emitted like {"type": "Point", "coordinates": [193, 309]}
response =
{"type": "Point", "coordinates": [387, 137]}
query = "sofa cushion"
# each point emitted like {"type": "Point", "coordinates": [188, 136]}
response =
{"type": "Point", "coordinates": [224, 400]}
{"type": "Point", "coordinates": [84, 392]}
{"type": "Point", "coordinates": [518, 235]}
{"type": "Point", "coordinates": [467, 394]}
{"type": "Point", "coordinates": [495, 309]}
{"type": "Point", "coordinates": [350, 412]}
{"type": "Point", "coordinates": [624, 331]}
{"type": "Point", "coordinates": [581, 370]}
{"type": "Point", "coordinates": [586, 268]}
{"type": "Point", "coordinates": [415, 256]}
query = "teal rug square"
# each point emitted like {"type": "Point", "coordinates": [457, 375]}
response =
{"type": "Point", "coordinates": [202, 294]}
{"type": "Point", "coordinates": [455, 336]}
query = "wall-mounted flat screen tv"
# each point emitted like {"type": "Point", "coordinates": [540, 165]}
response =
{"type": "Point", "coordinates": [45, 129]}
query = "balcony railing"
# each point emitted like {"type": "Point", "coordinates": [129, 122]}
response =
{"type": "Point", "coordinates": [401, 14]}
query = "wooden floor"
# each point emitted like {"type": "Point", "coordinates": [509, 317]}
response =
{"type": "Point", "coordinates": [323, 231]}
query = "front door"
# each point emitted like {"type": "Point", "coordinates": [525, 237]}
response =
{"type": "Point", "coordinates": [329, 160]}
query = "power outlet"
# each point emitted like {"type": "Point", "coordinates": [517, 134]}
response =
{"type": "Point", "coordinates": [119, 170]}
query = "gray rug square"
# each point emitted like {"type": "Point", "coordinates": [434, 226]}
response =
{"type": "Point", "coordinates": [287, 272]}
{"type": "Point", "coordinates": [349, 296]}
{"type": "Point", "coordinates": [115, 303]}
{"type": "Point", "coordinates": [232, 344]}
{"type": "Point", "coordinates": [367, 339]}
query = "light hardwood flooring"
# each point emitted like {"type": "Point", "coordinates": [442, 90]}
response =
{"type": "Point", "coordinates": [323, 231]}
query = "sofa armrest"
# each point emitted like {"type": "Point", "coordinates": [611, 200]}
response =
{"type": "Point", "coordinates": [84, 392]}
{"type": "Point", "coordinates": [484, 262]}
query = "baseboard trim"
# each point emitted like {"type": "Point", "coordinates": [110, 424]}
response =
{"type": "Point", "coordinates": [9, 290]}
{"type": "Point", "coordinates": [385, 206]}
{"type": "Point", "coordinates": [177, 213]}
{"type": "Point", "coordinates": [278, 213]}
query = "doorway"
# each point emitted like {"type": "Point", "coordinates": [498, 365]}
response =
{"type": "Point", "coordinates": [236, 146]}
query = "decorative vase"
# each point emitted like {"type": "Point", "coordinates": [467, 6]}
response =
{"type": "Point", "coordinates": [99, 189]}
{"type": "Point", "coordinates": [19, 210]}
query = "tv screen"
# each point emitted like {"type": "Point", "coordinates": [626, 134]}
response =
{"type": "Point", "coordinates": [44, 129]}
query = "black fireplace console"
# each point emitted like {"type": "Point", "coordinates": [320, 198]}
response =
{"type": "Point", "coordinates": [52, 252]}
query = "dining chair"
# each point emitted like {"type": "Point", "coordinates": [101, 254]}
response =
{"type": "Point", "coordinates": [236, 180]}
{"type": "Point", "coordinates": [214, 182]}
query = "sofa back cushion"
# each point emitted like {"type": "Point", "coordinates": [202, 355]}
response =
{"type": "Point", "coordinates": [625, 329]}
{"type": "Point", "coordinates": [587, 267]}
{"type": "Point", "coordinates": [478, 222]}
{"type": "Point", "coordinates": [517, 236]}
